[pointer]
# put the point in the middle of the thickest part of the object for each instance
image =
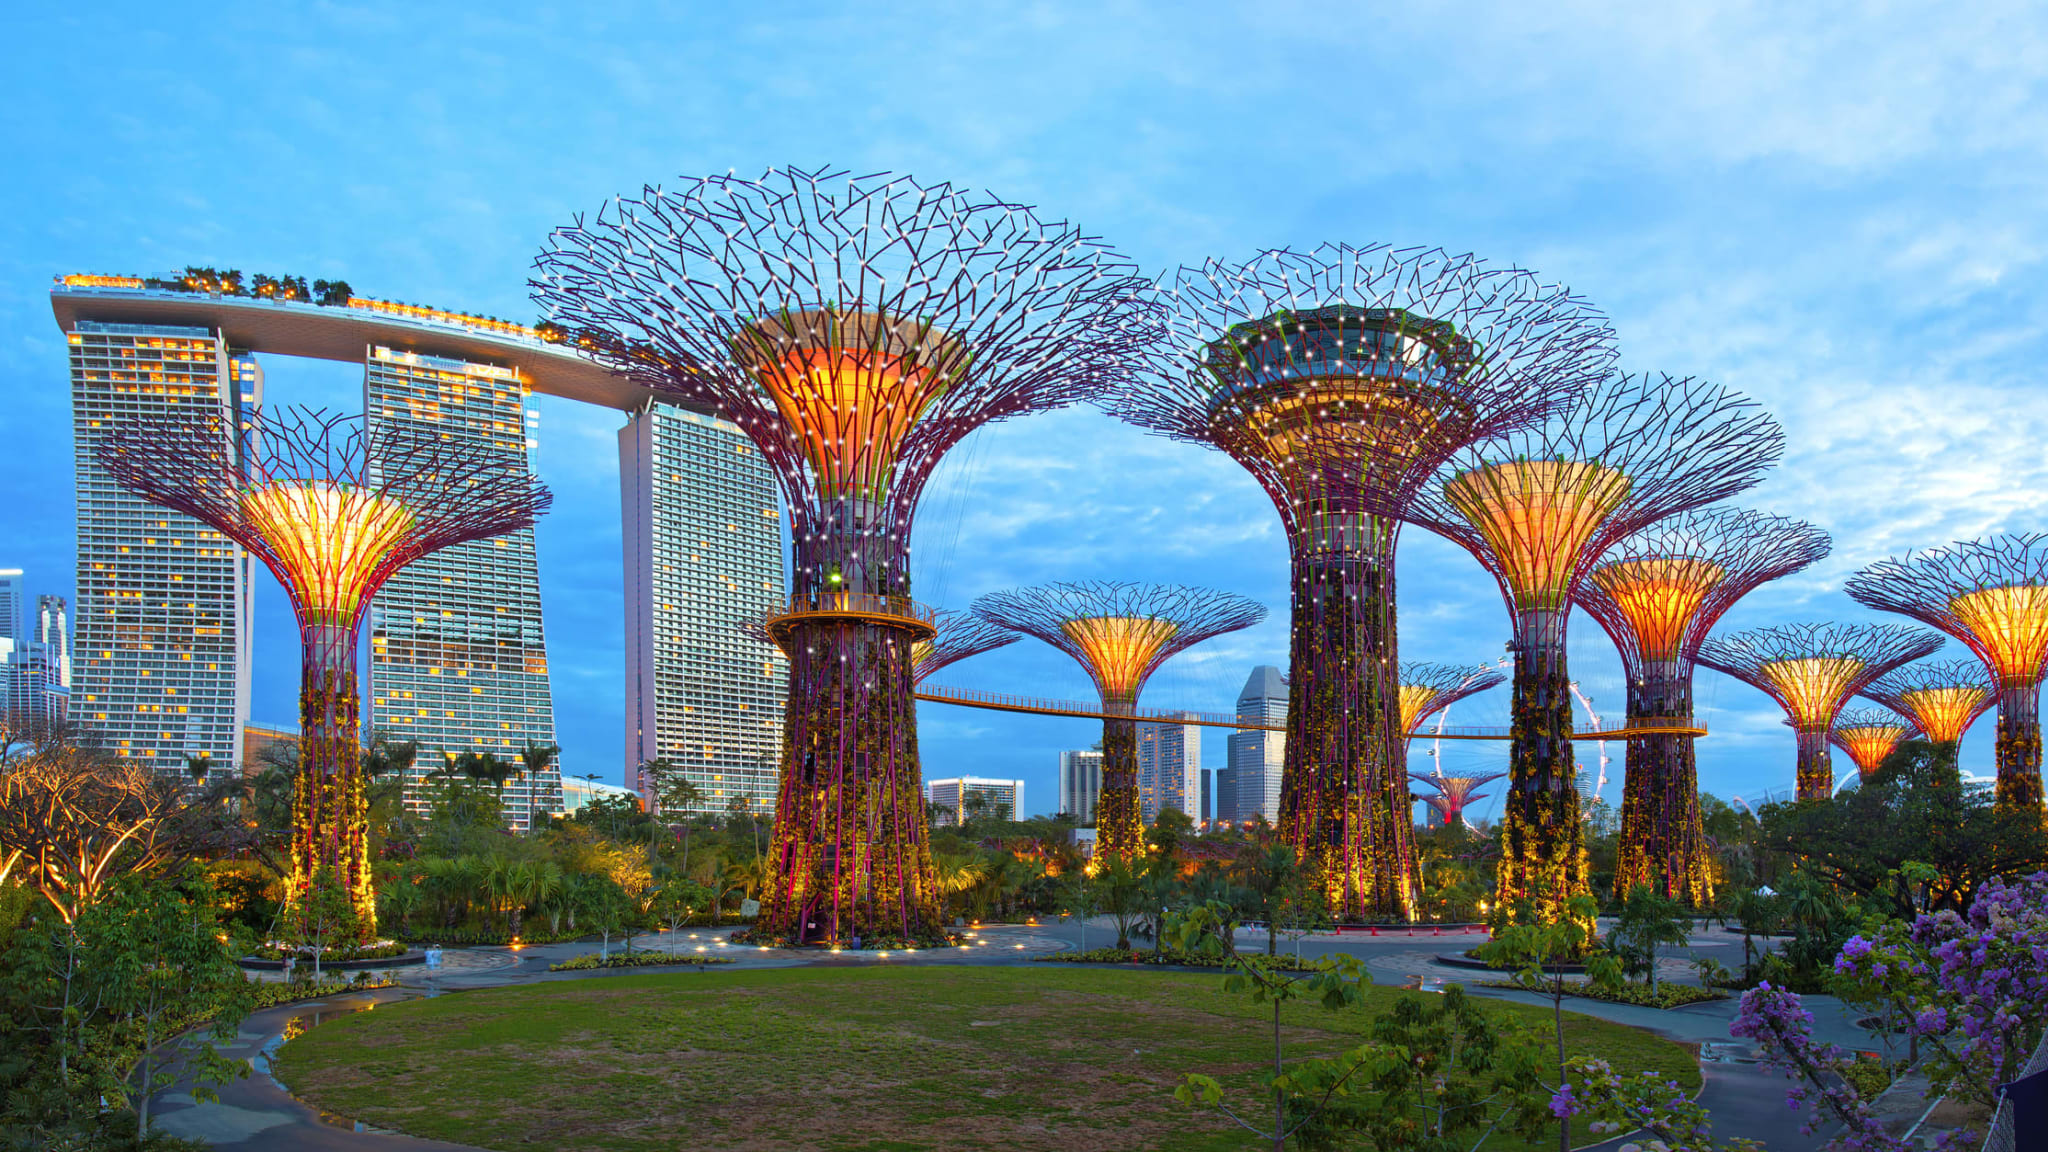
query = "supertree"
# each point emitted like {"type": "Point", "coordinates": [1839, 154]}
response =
{"type": "Point", "coordinates": [1340, 378]}
{"type": "Point", "coordinates": [1454, 794]}
{"type": "Point", "coordinates": [333, 510]}
{"type": "Point", "coordinates": [1992, 594]}
{"type": "Point", "coordinates": [959, 635]}
{"type": "Point", "coordinates": [1121, 633]}
{"type": "Point", "coordinates": [1942, 699]}
{"type": "Point", "coordinates": [1868, 735]}
{"type": "Point", "coordinates": [1811, 670]}
{"type": "Point", "coordinates": [1427, 689]}
{"type": "Point", "coordinates": [1537, 509]}
{"type": "Point", "coordinates": [1657, 594]}
{"type": "Point", "coordinates": [856, 328]}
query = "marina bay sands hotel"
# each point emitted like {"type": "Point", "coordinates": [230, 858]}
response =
{"type": "Point", "coordinates": [458, 658]}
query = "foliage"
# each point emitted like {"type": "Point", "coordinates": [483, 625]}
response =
{"type": "Point", "coordinates": [73, 819]}
{"type": "Point", "coordinates": [1783, 1030]}
{"type": "Point", "coordinates": [1648, 921]}
{"type": "Point", "coordinates": [1169, 957]}
{"type": "Point", "coordinates": [633, 960]}
{"type": "Point", "coordinates": [1533, 949]}
{"type": "Point", "coordinates": [1664, 996]}
{"type": "Point", "coordinates": [271, 993]}
{"type": "Point", "coordinates": [1655, 1104]}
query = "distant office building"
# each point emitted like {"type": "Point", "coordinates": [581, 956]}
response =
{"type": "Point", "coordinates": [49, 661]}
{"type": "Point", "coordinates": [1250, 785]}
{"type": "Point", "coordinates": [1169, 769]}
{"type": "Point", "coordinates": [578, 792]}
{"type": "Point", "coordinates": [162, 627]}
{"type": "Point", "coordinates": [458, 657]}
{"type": "Point", "coordinates": [956, 799]}
{"type": "Point", "coordinates": [703, 556]}
{"type": "Point", "coordinates": [1080, 784]}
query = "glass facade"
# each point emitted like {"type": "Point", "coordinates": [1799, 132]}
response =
{"type": "Point", "coordinates": [1250, 786]}
{"type": "Point", "coordinates": [458, 657]}
{"type": "Point", "coordinates": [1169, 770]}
{"type": "Point", "coordinates": [702, 540]}
{"type": "Point", "coordinates": [162, 627]}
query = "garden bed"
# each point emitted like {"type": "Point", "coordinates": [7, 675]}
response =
{"type": "Point", "coordinates": [592, 960]}
{"type": "Point", "coordinates": [1666, 996]}
{"type": "Point", "coordinates": [1283, 961]}
{"type": "Point", "coordinates": [402, 959]}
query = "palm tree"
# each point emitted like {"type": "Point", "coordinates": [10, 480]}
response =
{"type": "Point", "coordinates": [385, 755]}
{"type": "Point", "coordinates": [198, 767]}
{"type": "Point", "coordinates": [534, 761]}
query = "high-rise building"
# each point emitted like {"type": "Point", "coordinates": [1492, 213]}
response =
{"type": "Point", "coordinates": [1208, 811]}
{"type": "Point", "coordinates": [162, 628]}
{"type": "Point", "coordinates": [956, 799]}
{"type": "Point", "coordinates": [458, 656]}
{"type": "Point", "coordinates": [48, 691]}
{"type": "Point", "coordinates": [1250, 786]}
{"type": "Point", "coordinates": [1169, 769]}
{"type": "Point", "coordinates": [1080, 784]}
{"type": "Point", "coordinates": [703, 557]}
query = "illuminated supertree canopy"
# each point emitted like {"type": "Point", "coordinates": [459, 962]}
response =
{"type": "Point", "coordinates": [1427, 689]}
{"type": "Point", "coordinates": [1121, 633]}
{"type": "Point", "coordinates": [1868, 735]}
{"type": "Point", "coordinates": [1991, 594]}
{"type": "Point", "coordinates": [1811, 670]}
{"type": "Point", "coordinates": [856, 328]}
{"type": "Point", "coordinates": [959, 635]}
{"type": "Point", "coordinates": [1657, 594]}
{"type": "Point", "coordinates": [333, 511]}
{"type": "Point", "coordinates": [1538, 508]}
{"type": "Point", "coordinates": [1941, 699]}
{"type": "Point", "coordinates": [1340, 378]}
{"type": "Point", "coordinates": [1452, 795]}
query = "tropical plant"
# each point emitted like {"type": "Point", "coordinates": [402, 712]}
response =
{"type": "Point", "coordinates": [1647, 921]}
{"type": "Point", "coordinates": [1539, 954]}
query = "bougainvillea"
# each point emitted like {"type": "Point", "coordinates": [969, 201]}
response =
{"type": "Point", "coordinates": [1783, 1031]}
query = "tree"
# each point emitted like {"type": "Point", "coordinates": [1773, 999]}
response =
{"type": "Point", "coordinates": [1538, 953]}
{"type": "Point", "coordinates": [199, 767]}
{"type": "Point", "coordinates": [1648, 921]}
{"type": "Point", "coordinates": [1270, 877]}
{"type": "Point", "coordinates": [677, 900]}
{"type": "Point", "coordinates": [324, 912]}
{"type": "Point", "coordinates": [389, 756]}
{"type": "Point", "coordinates": [1169, 830]}
{"type": "Point", "coordinates": [604, 906]}
{"type": "Point", "coordinates": [1122, 893]}
{"type": "Point", "coordinates": [72, 819]}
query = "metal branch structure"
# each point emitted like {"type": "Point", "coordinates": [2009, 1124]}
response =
{"type": "Point", "coordinates": [1427, 689]}
{"type": "Point", "coordinates": [959, 636]}
{"type": "Point", "coordinates": [1537, 509]}
{"type": "Point", "coordinates": [1454, 794]}
{"type": "Point", "coordinates": [1120, 633]}
{"type": "Point", "coordinates": [1941, 699]}
{"type": "Point", "coordinates": [1812, 670]}
{"type": "Point", "coordinates": [1991, 594]}
{"type": "Point", "coordinates": [1657, 594]}
{"type": "Point", "coordinates": [333, 510]}
{"type": "Point", "coordinates": [1340, 378]}
{"type": "Point", "coordinates": [1868, 735]}
{"type": "Point", "coordinates": [856, 328]}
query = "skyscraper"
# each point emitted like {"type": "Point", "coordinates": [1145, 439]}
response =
{"type": "Point", "coordinates": [703, 556]}
{"type": "Point", "coordinates": [1080, 784]}
{"type": "Point", "coordinates": [1250, 786]}
{"type": "Point", "coordinates": [458, 657]}
{"type": "Point", "coordinates": [960, 798]}
{"type": "Point", "coordinates": [162, 629]}
{"type": "Point", "coordinates": [49, 662]}
{"type": "Point", "coordinates": [1169, 769]}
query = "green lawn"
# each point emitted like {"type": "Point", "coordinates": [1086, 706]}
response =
{"type": "Point", "coordinates": [862, 1060]}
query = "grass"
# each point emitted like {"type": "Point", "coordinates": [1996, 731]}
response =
{"type": "Point", "coordinates": [851, 1060]}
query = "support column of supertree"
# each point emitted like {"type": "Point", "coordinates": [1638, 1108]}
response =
{"type": "Point", "coordinates": [1340, 378]}
{"type": "Point", "coordinates": [1811, 670]}
{"type": "Point", "coordinates": [1454, 794]}
{"type": "Point", "coordinates": [1868, 735]}
{"type": "Point", "coordinates": [1992, 594]}
{"type": "Point", "coordinates": [1658, 594]}
{"type": "Point", "coordinates": [1537, 509]}
{"type": "Point", "coordinates": [1121, 633]}
{"type": "Point", "coordinates": [960, 635]}
{"type": "Point", "coordinates": [856, 328]}
{"type": "Point", "coordinates": [1942, 699]}
{"type": "Point", "coordinates": [333, 511]}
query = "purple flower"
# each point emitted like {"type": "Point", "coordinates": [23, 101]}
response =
{"type": "Point", "coordinates": [1562, 1105]}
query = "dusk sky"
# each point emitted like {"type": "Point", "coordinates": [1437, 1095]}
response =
{"type": "Point", "coordinates": [1840, 214]}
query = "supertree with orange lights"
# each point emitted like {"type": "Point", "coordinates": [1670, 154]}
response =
{"type": "Point", "coordinates": [1340, 378]}
{"type": "Point", "coordinates": [1868, 735]}
{"type": "Point", "coordinates": [1657, 594]}
{"type": "Point", "coordinates": [1812, 670]}
{"type": "Point", "coordinates": [1941, 699]}
{"type": "Point", "coordinates": [333, 510]}
{"type": "Point", "coordinates": [1121, 633]}
{"type": "Point", "coordinates": [856, 328]}
{"type": "Point", "coordinates": [1991, 594]}
{"type": "Point", "coordinates": [1538, 509]}
{"type": "Point", "coordinates": [1451, 795]}
{"type": "Point", "coordinates": [1427, 689]}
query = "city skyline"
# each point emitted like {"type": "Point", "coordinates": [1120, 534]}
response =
{"type": "Point", "coordinates": [1778, 234]}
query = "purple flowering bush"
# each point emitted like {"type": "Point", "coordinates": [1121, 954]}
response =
{"type": "Point", "coordinates": [1645, 1102]}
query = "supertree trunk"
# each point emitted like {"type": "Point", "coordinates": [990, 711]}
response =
{"type": "Point", "coordinates": [2019, 747]}
{"type": "Point", "coordinates": [851, 855]}
{"type": "Point", "coordinates": [1344, 786]}
{"type": "Point", "coordinates": [1816, 765]}
{"type": "Point", "coordinates": [1119, 824]}
{"type": "Point", "coordinates": [330, 817]}
{"type": "Point", "coordinates": [1543, 862]}
{"type": "Point", "coordinates": [1662, 842]}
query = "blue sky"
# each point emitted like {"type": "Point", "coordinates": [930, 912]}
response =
{"type": "Point", "coordinates": [1838, 212]}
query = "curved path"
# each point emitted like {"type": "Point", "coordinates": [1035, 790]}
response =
{"type": "Point", "coordinates": [257, 1114]}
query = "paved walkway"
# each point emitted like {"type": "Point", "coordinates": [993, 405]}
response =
{"type": "Point", "coordinates": [258, 1114]}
